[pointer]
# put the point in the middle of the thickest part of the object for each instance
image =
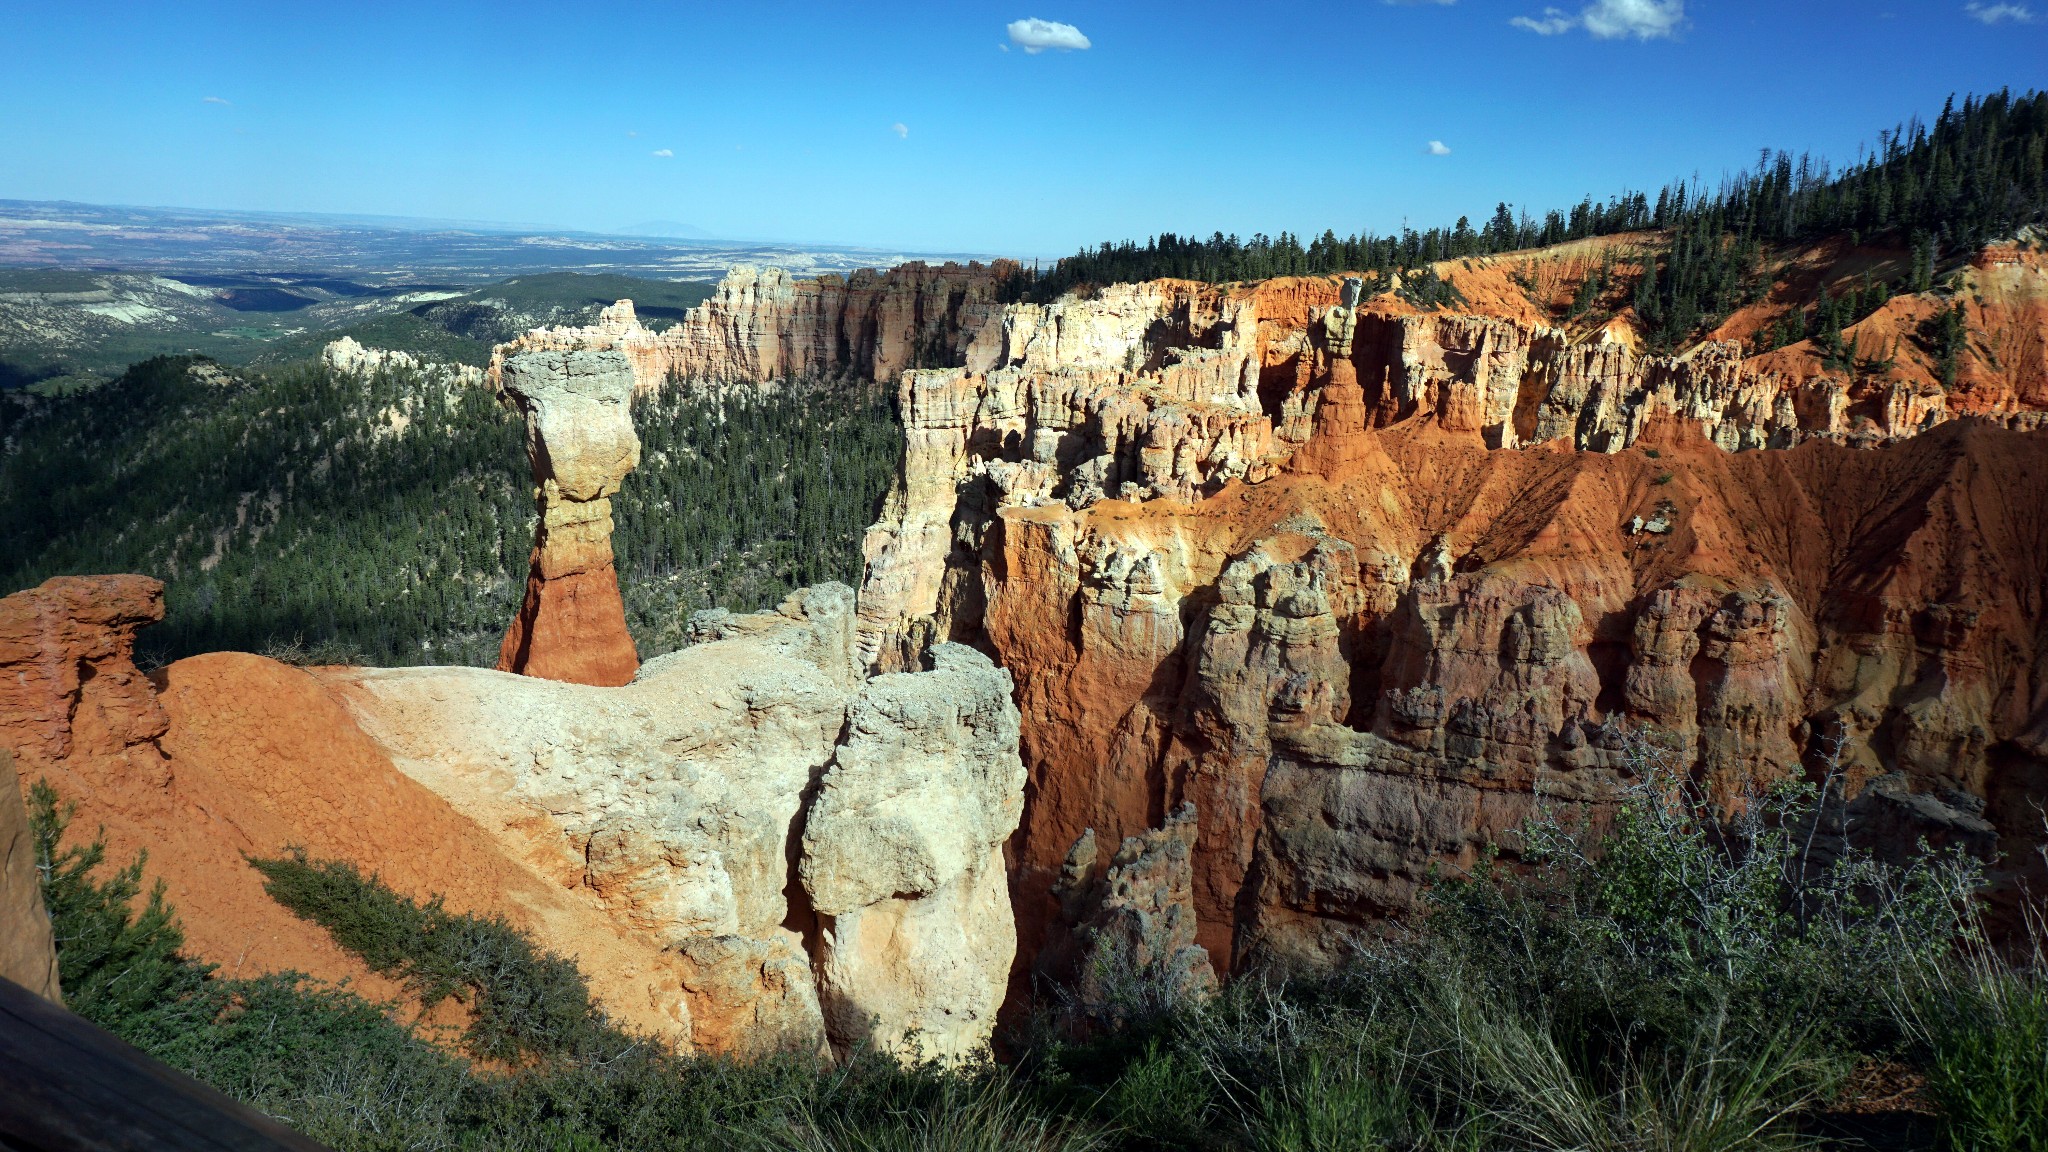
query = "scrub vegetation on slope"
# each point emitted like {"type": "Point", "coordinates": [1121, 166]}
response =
{"type": "Point", "coordinates": [385, 518]}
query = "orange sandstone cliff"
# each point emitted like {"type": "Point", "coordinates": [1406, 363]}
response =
{"type": "Point", "coordinates": [1361, 581]}
{"type": "Point", "coordinates": [762, 324]}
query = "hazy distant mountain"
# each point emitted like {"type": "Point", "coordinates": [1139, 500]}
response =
{"type": "Point", "coordinates": [378, 251]}
{"type": "Point", "coordinates": [62, 322]}
{"type": "Point", "coordinates": [667, 229]}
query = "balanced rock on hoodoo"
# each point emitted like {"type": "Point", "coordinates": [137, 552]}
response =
{"type": "Point", "coordinates": [580, 439]}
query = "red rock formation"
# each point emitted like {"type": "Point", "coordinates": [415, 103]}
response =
{"type": "Point", "coordinates": [651, 831]}
{"type": "Point", "coordinates": [68, 682]}
{"type": "Point", "coordinates": [579, 436]}
{"type": "Point", "coordinates": [763, 324]}
{"type": "Point", "coordinates": [228, 756]}
{"type": "Point", "coordinates": [1361, 635]}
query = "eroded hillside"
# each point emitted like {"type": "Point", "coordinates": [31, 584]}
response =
{"type": "Point", "coordinates": [1311, 586]}
{"type": "Point", "coordinates": [1362, 580]}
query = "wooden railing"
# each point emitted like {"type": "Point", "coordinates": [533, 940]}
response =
{"type": "Point", "coordinates": [68, 1086]}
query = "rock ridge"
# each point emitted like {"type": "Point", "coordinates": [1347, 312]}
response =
{"type": "Point", "coordinates": [749, 846]}
{"type": "Point", "coordinates": [763, 325]}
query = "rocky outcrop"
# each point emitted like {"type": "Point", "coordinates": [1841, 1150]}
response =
{"type": "Point", "coordinates": [351, 358]}
{"type": "Point", "coordinates": [68, 683]}
{"type": "Point", "coordinates": [580, 441]}
{"type": "Point", "coordinates": [762, 325]}
{"type": "Point", "coordinates": [750, 847]}
{"type": "Point", "coordinates": [1362, 581]}
{"type": "Point", "coordinates": [903, 859]}
{"type": "Point", "coordinates": [28, 954]}
{"type": "Point", "coordinates": [1133, 949]}
{"type": "Point", "coordinates": [222, 757]}
{"type": "Point", "coordinates": [822, 852]}
{"type": "Point", "coordinates": [1300, 595]}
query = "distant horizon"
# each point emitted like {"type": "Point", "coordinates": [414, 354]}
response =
{"type": "Point", "coordinates": [405, 223]}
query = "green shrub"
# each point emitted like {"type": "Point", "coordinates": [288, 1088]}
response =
{"type": "Point", "coordinates": [116, 966]}
{"type": "Point", "coordinates": [1162, 1098]}
{"type": "Point", "coordinates": [1982, 1025]}
{"type": "Point", "coordinates": [959, 1113]}
{"type": "Point", "coordinates": [1682, 912]}
{"type": "Point", "coordinates": [1337, 1106]}
{"type": "Point", "coordinates": [328, 1062]}
{"type": "Point", "coordinates": [332, 1065]}
{"type": "Point", "coordinates": [523, 1001]}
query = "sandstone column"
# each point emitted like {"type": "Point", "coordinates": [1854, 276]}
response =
{"type": "Point", "coordinates": [1340, 411]}
{"type": "Point", "coordinates": [579, 436]}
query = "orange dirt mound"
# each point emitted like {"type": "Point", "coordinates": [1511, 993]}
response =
{"type": "Point", "coordinates": [220, 758]}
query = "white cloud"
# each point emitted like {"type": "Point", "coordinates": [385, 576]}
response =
{"type": "Point", "coordinates": [1642, 19]}
{"type": "Point", "coordinates": [213, 100]}
{"type": "Point", "coordinates": [1611, 19]}
{"type": "Point", "coordinates": [1437, 148]}
{"type": "Point", "coordinates": [630, 134]}
{"type": "Point", "coordinates": [1035, 36]}
{"type": "Point", "coordinates": [664, 152]}
{"type": "Point", "coordinates": [1553, 21]}
{"type": "Point", "coordinates": [1999, 13]}
{"type": "Point", "coordinates": [901, 130]}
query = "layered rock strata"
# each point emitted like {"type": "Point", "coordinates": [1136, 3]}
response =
{"type": "Point", "coordinates": [750, 847]}
{"type": "Point", "coordinates": [1362, 582]}
{"type": "Point", "coordinates": [762, 324]}
{"type": "Point", "coordinates": [580, 440]}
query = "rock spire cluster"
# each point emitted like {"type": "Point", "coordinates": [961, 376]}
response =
{"type": "Point", "coordinates": [1361, 580]}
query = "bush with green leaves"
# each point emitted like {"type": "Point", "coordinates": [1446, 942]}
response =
{"type": "Point", "coordinates": [1981, 1027]}
{"type": "Point", "coordinates": [1691, 907]}
{"type": "Point", "coordinates": [1684, 974]}
{"type": "Point", "coordinates": [523, 1002]}
{"type": "Point", "coordinates": [117, 967]}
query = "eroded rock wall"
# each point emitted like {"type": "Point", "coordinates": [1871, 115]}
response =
{"type": "Point", "coordinates": [1362, 581]}
{"type": "Point", "coordinates": [763, 324]}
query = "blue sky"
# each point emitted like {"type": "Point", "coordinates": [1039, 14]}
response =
{"type": "Point", "coordinates": [928, 126]}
